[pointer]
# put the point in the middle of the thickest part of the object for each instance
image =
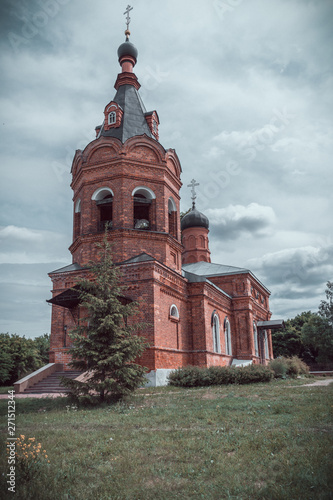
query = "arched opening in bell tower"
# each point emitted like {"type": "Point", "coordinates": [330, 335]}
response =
{"type": "Point", "coordinates": [77, 218]}
{"type": "Point", "coordinates": [172, 217]}
{"type": "Point", "coordinates": [143, 208]}
{"type": "Point", "coordinates": [104, 202]}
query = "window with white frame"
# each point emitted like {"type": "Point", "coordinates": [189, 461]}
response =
{"type": "Point", "coordinates": [227, 335]}
{"type": "Point", "coordinates": [112, 118]}
{"type": "Point", "coordinates": [266, 345]}
{"type": "Point", "coordinates": [216, 333]}
{"type": "Point", "coordinates": [174, 313]}
{"type": "Point", "coordinates": [255, 339]}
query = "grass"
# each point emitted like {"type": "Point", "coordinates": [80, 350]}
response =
{"type": "Point", "coordinates": [261, 441]}
{"type": "Point", "coordinates": [4, 390]}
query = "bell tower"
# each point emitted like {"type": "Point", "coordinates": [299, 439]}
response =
{"type": "Point", "coordinates": [125, 181]}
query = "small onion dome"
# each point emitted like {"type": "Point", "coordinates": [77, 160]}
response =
{"type": "Point", "coordinates": [127, 49]}
{"type": "Point", "coordinates": [194, 219]}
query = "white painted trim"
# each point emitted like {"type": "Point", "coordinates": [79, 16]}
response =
{"type": "Point", "coordinates": [241, 362]}
{"type": "Point", "coordinates": [112, 114]}
{"type": "Point", "coordinates": [227, 337]}
{"type": "Point", "coordinates": [172, 315]}
{"type": "Point", "coordinates": [146, 191]}
{"type": "Point", "coordinates": [77, 208]}
{"type": "Point", "coordinates": [216, 320]}
{"type": "Point", "coordinates": [172, 205]}
{"type": "Point", "coordinates": [98, 194]}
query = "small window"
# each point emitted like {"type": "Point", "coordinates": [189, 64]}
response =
{"type": "Point", "coordinates": [174, 312]}
{"type": "Point", "coordinates": [112, 118]}
{"type": "Point", "coordinates": [227, 334]}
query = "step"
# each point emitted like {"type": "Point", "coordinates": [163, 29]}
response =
{"type": "Point", "coordinates": [52, 383]}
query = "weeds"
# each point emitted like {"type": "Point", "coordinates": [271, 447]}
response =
{"type": "Point", "coordinates": [288, 367]}
{"type": "Point", "coordinates": [234, 441]}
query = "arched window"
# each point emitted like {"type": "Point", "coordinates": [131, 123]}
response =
{"type": "Point", "coordinates": [174, 312]}
{"type": "Point", "coordinates": [143, 208]}
{"type": "Point", "coordinates": [172, 213]}
{"type": "Point", "coordinates": [227, 335]}
{"type": "Point", "coordinates": [112, 118]}
{"type": "Point", "coordinates": [104, 202]}
{"type": "Point", "coordinates": [77, 218]}
{"type": "Point", "coordinates": [216, 333]}
{"type": "Point", "coordinates": [255, 339]}
{"type": "Point", "coordinates": [266, 345]}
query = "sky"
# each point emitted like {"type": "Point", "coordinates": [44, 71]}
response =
{"type": "Point", "coordinates": [243, 90]}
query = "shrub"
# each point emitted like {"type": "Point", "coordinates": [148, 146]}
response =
{"type": "Point", "coordinates": [288, 367]}
{"type": "Point", "coordinates": [279, 367]}
{"type": "Point", "coordinates": [189, 376]}
{"type": "Point", "coordinates": [253, 374]}
{"type": "Point", "coordinates": [194, 376]}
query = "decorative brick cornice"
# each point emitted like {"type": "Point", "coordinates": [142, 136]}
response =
{"type": "Point", "coordinates": [127, 79]}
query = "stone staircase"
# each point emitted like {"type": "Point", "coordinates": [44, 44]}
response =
{"type": "Point", "coordinates": [52, 383]}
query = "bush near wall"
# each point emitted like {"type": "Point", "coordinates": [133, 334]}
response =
{"type": "Point", "coordinates": [194, 376]}
{"type": "Point", "coordinates": [284, 367]}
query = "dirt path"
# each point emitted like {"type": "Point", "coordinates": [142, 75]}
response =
{"type": "Point", "coordinates": [318, 383]}
{"type": "Point", "coordinates": [44, 395]}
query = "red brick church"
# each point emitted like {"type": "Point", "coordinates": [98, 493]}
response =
{"type": "Point", "coordinates": [198, 312]}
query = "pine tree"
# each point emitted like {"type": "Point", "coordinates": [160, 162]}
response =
{"type": "Point", "coordinates": [104, 344]}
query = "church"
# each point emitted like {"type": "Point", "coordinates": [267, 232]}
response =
{"type": "Point", "coordinates": [197, 312]}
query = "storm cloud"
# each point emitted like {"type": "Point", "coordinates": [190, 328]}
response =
{"type": "Point", "coordinates": [243, 93]}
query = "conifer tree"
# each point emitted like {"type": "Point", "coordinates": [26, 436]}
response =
{"type": "Point", "coordinates": [104, 344]}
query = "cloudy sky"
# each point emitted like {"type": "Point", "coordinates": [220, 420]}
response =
{"type": "Point", "coordinates": [243, 90]}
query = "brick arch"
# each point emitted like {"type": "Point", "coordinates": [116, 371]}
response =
{"type": "Point", "coordinates": [144, 149]}
{"type": "Point", "coordinates": [102, 153]}
{"type": "Point", "coordinates": [112, 144]}
{"type": "Point", "coordinates": [144, 153]}
{"type": "Point", "coordinates": [173, 162]}
{"type": "Point", "coordinates": [192, 241]}
{"type": "Point", "coordinates": [76, 162]}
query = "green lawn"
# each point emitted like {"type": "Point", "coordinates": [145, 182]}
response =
{"type": "Point", "coordinates": [262, 441]}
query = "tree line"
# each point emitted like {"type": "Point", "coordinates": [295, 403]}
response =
{"type": "Point", "coordinates": [20, 356]}
{"type": "Point", "coordinates": [309, 335]}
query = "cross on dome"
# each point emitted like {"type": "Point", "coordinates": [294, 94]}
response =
{"type": "Point", "coordinates": [128, 19]}
{"type": "Point", "coordinates": [194, 195]}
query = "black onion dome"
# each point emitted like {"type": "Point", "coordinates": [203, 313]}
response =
{"type": "Point", "coordinates": [127, 49]}
{"type": "Point", "coordinates": [194, 219]}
